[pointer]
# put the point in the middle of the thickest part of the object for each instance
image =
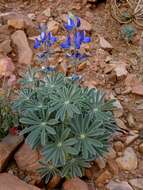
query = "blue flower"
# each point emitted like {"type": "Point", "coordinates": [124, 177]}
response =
{"type": "Point", "coordinates": [84, 38]}
{"type": "Point", "coordinates": [50, 40]}
{"type": "Point", "coordinates": [78, 22]}
{"type": "Point", "coordinates": [44, 38]}
{"type": "Point", "coordinates": [72, 23]}
{"type": "Point", "coordinates": [67, 43]}
{"type": "Point", "coordinates": [37, 43]}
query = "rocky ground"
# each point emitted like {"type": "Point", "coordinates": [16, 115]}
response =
{"type": "Point", "coordinates": [113, 65]}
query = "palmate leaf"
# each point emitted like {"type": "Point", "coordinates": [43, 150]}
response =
{"type": "Point", "coordinates": [51, 83]}
{"type": "Point", "coordinates": [110, 125]}
{"type": "Point", "coordinates": [37, 102]}
{"type": "Point", "coordinates": [29, 77]}
{"type": "Point", "coordinates": [24, 96]}
{"type": "Point", "coordinates": [91, 137]}
{"type": "Point", "coordinates": [40, 126]}
{"type": "Point", "coordinates": [67, 101]}
{"type": "Point", "coordinates": [98, 107]}
{"type": "Point", "coordinates": [74, 167]}
{"type": "Point", "coordinates": [48, 170]}
{"type": "Point", "coordinates": [60, 147]}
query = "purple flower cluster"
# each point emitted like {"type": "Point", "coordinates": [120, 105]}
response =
{"type": "Point", "coordinates": [74, 39]}
{"type": "Point", "coordinates": [46, 39]}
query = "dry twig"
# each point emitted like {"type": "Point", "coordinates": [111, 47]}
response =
{"type": "Point", "coordinates": [134, 11]}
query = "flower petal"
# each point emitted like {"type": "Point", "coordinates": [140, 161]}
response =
{"type": "Point", "coordinates": [43, 36]}
{"type": "Point", "coordinates": [70, 24]}
{"type": "Point", "coordinates": [37, 44]}
{"type": "Point", "coordinates": [84, 38]}
{"type": "Point", "coordinates": [50, 39]}
{"type": "Point", "coordinates": [68, 27]}
{"type": "Point", "coordinates": [67, 43]}
{"type": "Point", "coordinates": [78, 22]}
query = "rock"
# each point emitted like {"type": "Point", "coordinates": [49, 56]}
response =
{"type": "Point", "coordinates": [91, 186]}
{"type": "Point", "coordinates": [92, 172]}
{"type": "Point", "coordinates": [104, 44]}
{"type": "Point", "coordinates": [131, 138]}
{"type": "Point", "coordinates": [119, 146]}
{"type": "Point", "coordinates": [4, 33]}
{"type": "Point", "coordinates": [11, 81]}
{"type": "Point", "coordinates": [17, 23]}
{"type": "Point", "coordinates": [138, 89]}
{"type": "Point", "coordinates": [120, 70]}
{"type": "Point", "coordinates": [131, 120]}
{"type": "Point", "coordinates": [32, 16]}
{"type": "Point", "coordinates": [137, 183]}
{"type": "Point", "coordinates": [28, 160]}
{"type": "Point", "coordinates": [5, 47]}
{"type": "Point", "coordinates": [119, 186]}
{"type": "Point", "coordinates": [131, 80]}
{"type": "Point", "coordinates": [113, 167]}
{"type": "Point", "coordinates": [128, 161]}
{"type": "Point", "coordinates": [62, 67]}
{"type": "Point", "coordinates": [24, 51]}
{"type": "Point", "coordinates": [135, 85]}
{"type": "Point", "coordinates": [109, 68]}
{"type": "Point", "coordinates": [117, 103]}
{"type": "Point", "coordinates": [53, 26]}
{"type": "Point", "coordinates": [53, 182]}
{"type": "Point", "coordinates": [85, 25]}
{"type": "Point", "coordinates": [47, 12]}
{"type": "Point", "coordinates": [141, 148]}
{"type": "Point", "coordinates": [75, 184]}
{"type": "Point", "coordinates": [103, 178]}
{"type": "Point", "coordinates": [82, 66]}
{"type": "Point", "coordinates": [6, 66]}
{"type": "Point", "coordinates": [101, 162]}
{"type": "Point", "coordinates": [111, 154]}
{"type": "Point", "coordinates": [120, 123]}
{"type": "Point", "coordinates": [90, 84]}
{"type": "Point", "coordinates": [10, 182]}
{"type": "Point", "coordinates": [7, 147]}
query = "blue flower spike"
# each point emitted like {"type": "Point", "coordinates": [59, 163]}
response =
{"type": "Point", "coordinates": [67, 43]}
{"type": "Point", "coordinates": [44, 38]}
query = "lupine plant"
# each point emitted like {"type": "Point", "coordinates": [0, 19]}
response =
{"type": "Point", "coordinates": [71, 124]}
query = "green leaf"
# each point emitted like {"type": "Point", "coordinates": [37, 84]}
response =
{"type": "Point", "coordinates": [89, 134]}
{"type": "Point", "coordinates": [67, 101]}
{"type": "Point", "coordinates": [60, 147]}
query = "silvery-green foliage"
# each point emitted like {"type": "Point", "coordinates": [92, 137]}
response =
{"type": "Point", "coordinates": [71, 123]}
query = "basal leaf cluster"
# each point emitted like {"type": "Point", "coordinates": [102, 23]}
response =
{"type": "Point", "coordinates": [71, 123]}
